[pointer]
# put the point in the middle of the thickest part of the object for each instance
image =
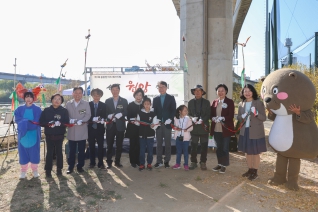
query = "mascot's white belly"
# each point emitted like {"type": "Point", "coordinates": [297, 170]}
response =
{"type": "Point", "coordinates": [281, 135]}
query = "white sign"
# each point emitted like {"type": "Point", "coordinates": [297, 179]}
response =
{"type": "Point", "coordinates": [130, 81]}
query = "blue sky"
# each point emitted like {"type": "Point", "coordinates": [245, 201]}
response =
{"type": "Point", "coordinates": [43, 34]}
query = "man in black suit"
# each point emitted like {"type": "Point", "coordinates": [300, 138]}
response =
{"type": "Point", "coordinates": [165, 110]}
{"type": "Point", "coordinates": [96, 130]}
{"type": "Point", "coordinates": [116, 110]}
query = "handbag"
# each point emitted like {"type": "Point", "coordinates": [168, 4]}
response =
{"type": "Point", "coordinates": [212, 142]}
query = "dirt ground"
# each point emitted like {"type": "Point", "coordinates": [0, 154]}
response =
{"type": "Point", "coordinates": [128, 189]}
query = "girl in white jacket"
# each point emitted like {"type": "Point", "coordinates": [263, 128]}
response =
{"type": "Point", "coordinates": [183, 126]}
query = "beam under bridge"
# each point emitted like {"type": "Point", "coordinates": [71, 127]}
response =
{"type": "Point", "coordinates": [30, 78]}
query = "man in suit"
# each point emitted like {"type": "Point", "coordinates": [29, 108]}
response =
{"type": "Point", "coordinates": [165, 109]}
{"type": "Point", "coordinates": [116, 110]}
{"type": "Point", "coordinates": [79, 112]}
{"type": "Point", "coordinates": [96, 130]}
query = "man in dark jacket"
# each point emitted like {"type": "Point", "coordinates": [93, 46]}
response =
{"type": "Point", "coordinates": [199, 109]}
{"type": "Point", "coordinates": [116, 110]}
{"type": "Point", "coordinates": [165, 109]}
{"type": "Point", "coordinates": [96, 130]}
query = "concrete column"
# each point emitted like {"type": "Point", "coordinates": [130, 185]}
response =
{"type": "Point", "coordinates": [220, 41]}
{"type": "Point", "coordinates": [220, 45]}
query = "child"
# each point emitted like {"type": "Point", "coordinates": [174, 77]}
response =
{"type": "Point", "coordinates": [182, 135]}
{"type": "Point", "coordinates": [29, 135]}
{"type": "Point", "coordinates": [146, 133]}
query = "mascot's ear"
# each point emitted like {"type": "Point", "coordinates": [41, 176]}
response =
{"type": "Point", "coordinates": [262, 79]}
{"type": "Point", "coordinates": [293, 74]}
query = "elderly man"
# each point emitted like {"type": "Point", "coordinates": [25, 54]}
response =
{"type": "Point", "coordinates": [199, 109]}
{"type": "Point", "coordinates": [96, 129]}
{"type": "Point", "coordinates": [116, 110]}
{"type": "Point", "coordinates": [165, 110]}
{"type": "Point", "coordinates": [79, 113]}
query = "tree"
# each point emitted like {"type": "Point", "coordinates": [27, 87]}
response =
{"type": "Point", "coordinates": [236, 92]}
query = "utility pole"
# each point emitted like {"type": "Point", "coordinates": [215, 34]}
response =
{"type": "Point", "coordinates": [15, 71]}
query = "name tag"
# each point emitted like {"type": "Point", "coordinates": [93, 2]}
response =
{"type": "Point", "coordinates": [57, 116]}
{"type": "Point", "coordinates": [82, 111]}
{"type": "Point", "coordinates": [120, 107]}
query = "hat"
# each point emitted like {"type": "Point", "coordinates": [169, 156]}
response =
{"type": "Point", "coordinates": [197, 86]}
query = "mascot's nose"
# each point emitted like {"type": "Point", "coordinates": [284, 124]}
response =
{"type": "Point", "coordinates": [268, 99]}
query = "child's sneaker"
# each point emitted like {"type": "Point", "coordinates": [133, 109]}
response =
{"type": "Point", "coordinates": [176, 166]}
{"type": "Point", "coordinates": [141, 167]}
{"type": "Point", "coordinates": [36, 174]}
{"type": "Point", "coordinates": [149, 167]}
{"type": "Point", "coordinates": [186, 167]}
{"type": "Point", "coordinates": [22, 175]}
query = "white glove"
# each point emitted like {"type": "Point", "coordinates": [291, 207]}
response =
{"type": "Point", "coordinates": [155, 121]}
{"type": "Point", "coordinates": [194, 119]}
{"type": "Point", "coordinates": [79, 122]}
{"type": "Point", "coordinates": [52, 124]}
{"type": "Point", "coordinates": [221, 119]}
{"type": "Point", "coordinates": [253, 110]}
{"type": "Point", "coordinates": [57, 123]}
{"type": "Point", "coordinates": [102, 121]}
{"type": "Point", "coordinates": [118, 115]}
{"type": "Point", "coordinates": [137, 123]}
{"type": "Point", "coordinates": [72, 121]}
{"type": "Point", "coordinates": [215, 119]}
{"type": "Point", "coordinates": [199, 122]}
{"type": "Point", "coordinates": [168, 121]}
{"type": "Point", "coordinates": [95, 119]}
{"type": "Point", "coordinates": [110, 116]}
{"type": "Point", "coordinates": [244, 115]}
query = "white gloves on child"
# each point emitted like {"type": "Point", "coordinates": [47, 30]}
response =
{"type": "Point", "coordinates": [57, 123]}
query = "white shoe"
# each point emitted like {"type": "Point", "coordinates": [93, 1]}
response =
{"type": "Point", "coordinates": [36, 174]}
{"type": "Point", "coordinates": [22, 175]}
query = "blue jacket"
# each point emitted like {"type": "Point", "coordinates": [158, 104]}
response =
{"type": "Point", "coordinates": [168, 111]}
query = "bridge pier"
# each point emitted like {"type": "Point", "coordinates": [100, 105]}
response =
{"type": "Point", "coordinates": [207, 26]}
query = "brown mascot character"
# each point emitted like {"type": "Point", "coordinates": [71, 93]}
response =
{"type": "Point", "coordinates": [289, 96]}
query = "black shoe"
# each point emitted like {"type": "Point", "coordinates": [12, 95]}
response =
{"type": "Point", "coordinates": [48, 173]}
{"type": "Point", "coordinates": [158, 165]}
{"type": "Point", "coordinates": [248, 173]}
{"type": "Point", "coordinates": [59, 172]}
{"type": "Point", "coordinates": [69, 171]}
{"type": "Point", "coordinates": [167, 165]}
{"type": "Point", "coordinates": [222, 170]}
{"type": "Point", "coordinates": [118, 165]}
{"type": "Point", "coordinates": [217, 168]}
{"type": "Point", "coordinates": [91, 166]}
{"type": "Point", "coordinates": [80, 170]}
{"type": "Point", "coordinates": [102, 167]}
{"type": "Point", "coordinates": [133, 165]}
{"type": "Point", "coordinates": [253, 175]}
{"type": "Point", "coordinates": [109, 166]}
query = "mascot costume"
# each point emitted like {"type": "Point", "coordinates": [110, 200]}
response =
{"type": "Point", "coordinates": [289, 95]}
{"type": "Point", "coordinates": [29, 135]}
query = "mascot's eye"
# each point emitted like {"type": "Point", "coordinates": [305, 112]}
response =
{"type": "Point", "coordinates": [275, 90]}
{"type": "Point", "coordinates": [264, 90]}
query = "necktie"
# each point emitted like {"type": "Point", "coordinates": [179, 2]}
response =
{"type": "Point", "coordinates": [95, 111]}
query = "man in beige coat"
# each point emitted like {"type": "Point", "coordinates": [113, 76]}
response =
{"type": "Point", "coordinates": [79, 112]}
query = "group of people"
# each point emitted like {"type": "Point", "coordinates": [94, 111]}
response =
{"type": "Point", "coordinates": [141, 121]}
